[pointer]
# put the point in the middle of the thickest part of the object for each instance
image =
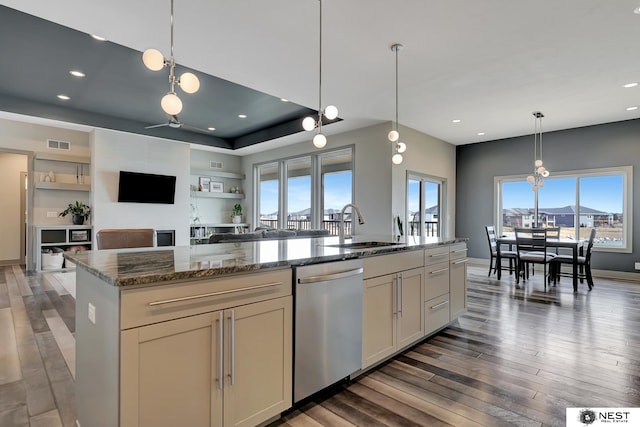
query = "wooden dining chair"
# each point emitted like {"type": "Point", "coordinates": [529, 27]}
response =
{"type": "Point", "coordinates": [531, 249]}
{"type": "Point", "coordinates": [584, 264]}
{"type": "Point", "coordinates": [498, 254]}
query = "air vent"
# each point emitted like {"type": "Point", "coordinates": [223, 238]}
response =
{"type": "Point", "coordinates": [54, 144]}
{"type": "Point", "coordinates": [215, 165]}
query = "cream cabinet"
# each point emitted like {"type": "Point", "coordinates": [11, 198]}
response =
{"type": "Point", "coordinates": [458, 279]}
{"type": "Point", "coordinates": [207, 352]}
{"type": "Point", "coordinates": [393, 316]}
{"type": "Point", "coordinates": [436, 305]}
{"type": "Point", "coordinates": [227, 368]}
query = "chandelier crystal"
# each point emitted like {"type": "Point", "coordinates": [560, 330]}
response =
{"type": "Point", "coordinates": [330, 112]}
{"type": "Point", "coordinates": [188, 82]}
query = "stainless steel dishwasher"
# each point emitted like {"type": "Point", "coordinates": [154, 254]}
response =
{"type": "Point", "coordinates": [328, 325]}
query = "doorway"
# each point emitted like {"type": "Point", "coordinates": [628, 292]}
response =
{"type": "Point", "coordinates": [14, 206]}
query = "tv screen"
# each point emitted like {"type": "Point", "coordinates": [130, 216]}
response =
{"type": "Point", "coordinates": [146, 188]}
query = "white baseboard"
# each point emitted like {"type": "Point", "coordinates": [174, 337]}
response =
{"type": "Point", "coordinates": [605, 274]}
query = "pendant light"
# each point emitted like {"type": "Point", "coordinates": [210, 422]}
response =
{"type": "Point", "coordinates": [330, 112]}
{"type": "Point", "coordinates": [155, 61]}
{"type": "Point", "coordinates": [394, 135]}
{"type": "Point", "coordinates": [539, 171]}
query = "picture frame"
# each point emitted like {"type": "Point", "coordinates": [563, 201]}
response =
{"type": "Point", "coordinates": [203, 183]}
{"type": "Point", "coordinates": [78, 235]}
{"type": "Point", "coordinates": [216, 187]}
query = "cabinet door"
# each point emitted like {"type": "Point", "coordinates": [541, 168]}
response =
{"type": "Point", "coordinates": [410, 322]}
{"type": "Point", "coordinates": [258, 367]}
{"type": "Point", "coordinates": [379, 325]}
{"type": "Point", "coordinates": [458, 287]}
{"type": "Point", "coordinates": [170, 373]}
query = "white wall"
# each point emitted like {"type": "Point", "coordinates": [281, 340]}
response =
{"type": "Point", "coordinates": [113, 151]}
{"type": "Point", "coordinates": [380, 185]}
{"type": "Point", "coordinates": [10, 216]}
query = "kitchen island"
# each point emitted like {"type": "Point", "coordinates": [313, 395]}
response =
{"type": "Point", "coordinates": [202, 335]}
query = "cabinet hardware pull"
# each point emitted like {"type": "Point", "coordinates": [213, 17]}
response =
{"type": "Point", "coordinates": [401, 287]}
{"type": "Point", "coordinates": [439, 255]}
{"type": "Point", "coordinates": [213, 294]}
{"type": "Point", "coordinates": [334, 276]}
{"type": "Point", "coordinates": [437, 306]}
{"type": "Point", "coordinates": [394, 288]}
{"type": "Point", "coordinates": [220, 352]}
{"type": "Point", "coordinates": [461, 261]}
{"type": "Point", "coordinates": [459, 250]}
{"type": "Point", "coordinates": [439, 271]}
{"type": "Point", "coordinates": [232, 374]}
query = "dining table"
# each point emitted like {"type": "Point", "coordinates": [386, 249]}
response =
{"type": "Point", "coordinates": [576, 246]}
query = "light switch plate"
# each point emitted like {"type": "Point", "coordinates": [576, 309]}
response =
{"type": "Point", "coordinates": [52, 214]}
{"type": "Point", "coordinates": [637, 265]}
{"type": "Point", "coordinates": [92, 313]}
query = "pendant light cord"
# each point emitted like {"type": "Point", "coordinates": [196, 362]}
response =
{"type": "Point", "coordinates": [396, 49]}
{"type": "Point", "coordinates": [172, 78]}
{"type": "Point", "coordinates": [319, 74]}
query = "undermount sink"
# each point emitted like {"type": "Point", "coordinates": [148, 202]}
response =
{"type": "Point", "coordinates": [362, 245]}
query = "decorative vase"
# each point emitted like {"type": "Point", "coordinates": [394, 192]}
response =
{"type": "Point", "coordinates": [237, 219]}
{"type": "Point", "coordinates": [77, 219]}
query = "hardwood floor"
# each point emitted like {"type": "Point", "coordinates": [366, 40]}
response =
{"type": "Point", "coordinates": [519, 356]}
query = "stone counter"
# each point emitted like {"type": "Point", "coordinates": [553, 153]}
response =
{"type": "Point", "coordinates": [146, 266]}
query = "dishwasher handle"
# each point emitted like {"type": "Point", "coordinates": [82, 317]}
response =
{"type": "Point", "coordinates": [331, 276]}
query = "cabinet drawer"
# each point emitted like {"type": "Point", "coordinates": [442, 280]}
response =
{"type": "Point", "coordinates": [391, 263]}
{"type": "Point", "coordinates": [149, 305]}
{"type": "Point", "coordinates": [458, 250]}
{"type": "Point", "coordinates": [436, 255]}
{"type": "Point", "coordinates": [436, 279]}
{"type": "Point", "coordinates": [436, 313]}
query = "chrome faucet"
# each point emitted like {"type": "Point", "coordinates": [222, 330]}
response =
{"type": "Point", "coordinates": [341, 227]}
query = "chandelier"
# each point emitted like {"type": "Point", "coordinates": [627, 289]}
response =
{"type": "Point", "coordinates": [330, 112]}
{"type": "Point", "coordinates": [188, 82]}
{"type": "Point", "coordinates": [394, 135]}
{"type": "Point", "coordinates": [539, 171]}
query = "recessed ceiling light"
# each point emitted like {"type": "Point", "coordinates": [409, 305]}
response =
{"type": "Point", "coordinates": [480, 133]}
{"type": "Point", "coordinates": [101, 39]}
{"type": "Point", "coordinates": [64, 97]}
{"type": "Point", "coordinates": [77, 73]}
{"type": "Point", "coordinates": [284, 100]}
{"type": "Point", "coordinates": [637, 10]}
{"type": "Point", "coordinates": [632, 84]}
{"type": "Point", "coordinates": [211, 129]}
{"type": "Point", "coordinates": [456, 121]}
{"type": "Point", "coordinates": [632, 108]}
{"type": "Point", "coordinates": [242, 116]}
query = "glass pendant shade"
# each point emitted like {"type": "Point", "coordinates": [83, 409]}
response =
{"type": "Point", "coordinates": [531, 179]}
{"type": "Point", "coordinates": [538, 163]}
{"type": "Point", "coordinates": [319, 141]}
{"type": "Point", "coordinates": [401, 147]}
{"type": "Point", "coordinates": [397, 159]}
{"type": "Point", "coordinates": [309, 124]}
{"type": "Point", "coordinates": [331, 112]}
{"type": "Point", "coordinates": [153, 59]}
{"type": "Point", "coordinates": [189, 82]}
{"type": "Point", "coordinates": [171, 104]}
{"type": "Point", "coordinates": [393, 136]}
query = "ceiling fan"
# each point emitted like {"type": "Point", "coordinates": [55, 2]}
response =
{"type": "Point", "coordinates": [175, 123]}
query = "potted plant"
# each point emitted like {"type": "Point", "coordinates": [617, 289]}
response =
{"type": "Point", "coordinates": [236, 214]}
{"type": "Point", "coordinates": [79, 212]}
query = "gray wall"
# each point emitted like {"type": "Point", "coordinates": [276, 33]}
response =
{"type": "Point", "coordinates": [608, 145]}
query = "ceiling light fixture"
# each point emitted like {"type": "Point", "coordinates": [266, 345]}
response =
{"type": "Point", "coordinates": [155, 61]}
{"type": "Point", "coordinates": [456, 121]}
{"type": "Point", "coordinates": [242, 116]}
{"type": "Point", "coordinates": [631, 108]}
{"type": "Point", "coordinates": [64, 97]}
{"type": "Point", "coordinates": [77, 73]}
{"type": "Point", "coordinates": [637, 10]}
{"type": "Point", "coordinates": [480, 133]}
{"type": "Point", "coordinates": [394, 135]}
{"type": "Point", "coordinates": [330, 112]}
{"type": "Point", "coordinates": [99, 38]}
{"type": "Point", "coordinates": [539, 171]}
{"type": "Point", "coordinates": [632, 84]}
{"type": "Point", "coordinates": [211, 129]}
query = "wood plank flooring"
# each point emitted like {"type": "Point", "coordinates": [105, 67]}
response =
{"type": "Point", "coordinates": [519, 356]}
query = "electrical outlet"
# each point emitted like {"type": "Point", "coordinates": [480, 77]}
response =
{"type": "Point", "coordinates": [637, 265]}
{"type": "Point", "coordinates": [52, 214]}
{"type": "Point", "coordinates": [92, 313]}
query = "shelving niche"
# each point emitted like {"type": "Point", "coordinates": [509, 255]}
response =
{"type": "Point", "coordinates": [71, 173]}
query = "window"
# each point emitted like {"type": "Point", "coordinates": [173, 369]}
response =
{"type": "Point", "coordinates": [574, 201]}
{"type": "Point", "coordinates": [311, 190]}
{"type": "Point", "coordinates": [424, 205]}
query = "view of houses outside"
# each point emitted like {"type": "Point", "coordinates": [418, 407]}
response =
{"type": "Point", "coordinates": [600, 206]}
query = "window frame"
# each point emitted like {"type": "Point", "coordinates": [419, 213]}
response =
{"type": "Point", "coordinates": [627, 200]}
{"type": "Point", "coordinates": [442, 186]}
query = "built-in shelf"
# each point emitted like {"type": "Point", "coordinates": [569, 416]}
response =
{"type": "Point", "coordinates": [226, 224]}
{"type": "Point", "coordinates": [63, 158]}
{"type": "Point", "coordinates": [217, 174]}
{"type": "Point", "coordinates": [62, 186]}
{"type": "Point", "coordinates": [218, 195]}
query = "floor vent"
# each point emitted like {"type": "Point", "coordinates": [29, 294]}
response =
{"type": "Point", "coordinates": [215, 165]}
{"type": "Point", "coordinates": [54, 144]}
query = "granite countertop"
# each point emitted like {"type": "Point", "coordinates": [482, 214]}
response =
{"type": "Point", "coordinates": [142, 266]}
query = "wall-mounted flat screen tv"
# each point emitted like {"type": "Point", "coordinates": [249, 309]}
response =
{"type": "Point", "coordinates": [139, 187]}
